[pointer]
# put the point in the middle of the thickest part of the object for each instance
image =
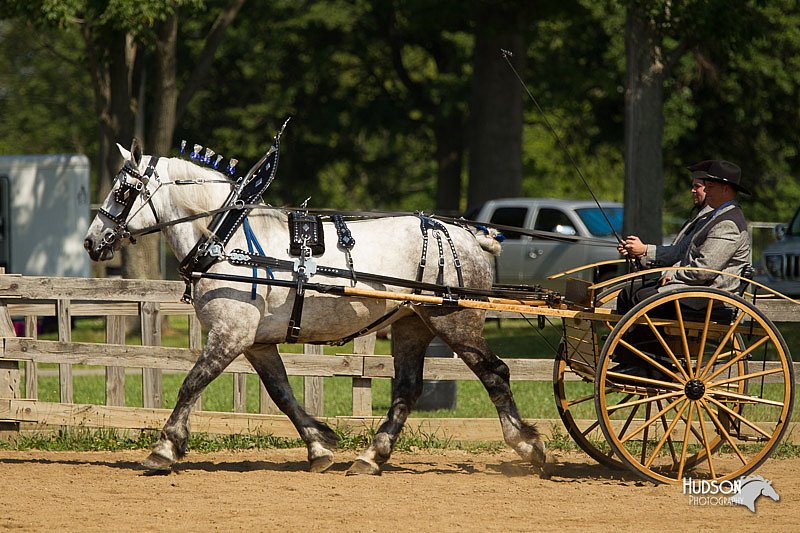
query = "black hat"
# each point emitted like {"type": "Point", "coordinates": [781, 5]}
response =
{"type": "Point", "coordinates": [721, 171]}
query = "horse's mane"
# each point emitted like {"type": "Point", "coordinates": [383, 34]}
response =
{"type": "Point", "coordinates": [204, 197]}
{"type": "Point", "coordinates": [196, 198]}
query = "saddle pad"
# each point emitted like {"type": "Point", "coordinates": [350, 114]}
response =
{"type": "Point", "coordinates": [302, 226]}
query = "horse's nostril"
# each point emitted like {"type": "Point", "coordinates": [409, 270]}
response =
{"type": "Point", "coordinates": [87, 244]}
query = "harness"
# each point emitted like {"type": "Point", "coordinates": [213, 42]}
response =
{"type": "Point", "coordinates": [126, 195]}
{"type": "Point", "coordinates": [209, 250]}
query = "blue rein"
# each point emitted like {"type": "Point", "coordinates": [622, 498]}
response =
{"type": "Point", "coordinates": [253, 241]}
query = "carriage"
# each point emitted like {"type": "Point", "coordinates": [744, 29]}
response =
{"type": "Point", "coordinates": [711, 398]}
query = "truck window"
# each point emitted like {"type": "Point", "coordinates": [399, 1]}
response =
{"type": "Point", "coordinates": [596, 221]}
{"type": "Point", "coordinates": [510, 216]}
{"type": "Point", "coordinates": [549, 218]}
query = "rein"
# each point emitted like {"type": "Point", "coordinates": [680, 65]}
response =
{"type": "Point", "coordinates": [367, 215]}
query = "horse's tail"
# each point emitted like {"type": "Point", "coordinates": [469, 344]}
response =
{"type": "Point", "coordinates": [487, 238]}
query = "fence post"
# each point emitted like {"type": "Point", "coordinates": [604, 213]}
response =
{"type": "Point", "coordinates": [31, 373]}
{"type": "Point", "coordinates": [64, 335]}
{"type": "Point", "coordinates": [115, 375]}
{"type": "Point", "coordinates": [196, 343]}
{"type": "Point", "coordinates": [152, 386]}
{"type": "Point", "coordinates": [312, 385]}
{"type": "Point", "coordinates": [9, 376]}
{"type": "Point", "coordinates": [239, 393]}
{"type": "Point", "coordinates": [362, 387]}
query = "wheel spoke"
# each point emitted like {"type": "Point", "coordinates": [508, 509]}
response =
{"type": "Point", "coordinates": [648, 381]}
{"type": "Point", "coordinates": [590, 428]}
{"type": "Point", "coordinates": [694, 431]}
{"type": "Point", "coordinates": [580, 400]}
{"type": "Point", "coordinates": [684, 340]}
{"type": "Point", "coordinates": [723, 431]}
{"type": "Point", "coordinates": [666, 347]}
{"type": "Point", "coordinates": [649, 360]}
{"type": "Point", "coordinates": [647, 399]}
{"type": "Point", "coordinates": [744, 377]}
{"type": "Point", "coordinates": [736, 359]}
{"type": "Point", "coordinates": [649, 421]}
{"type": "Point", "coordinates": [704, 336]}
{"type": "Point", "coordinates": [685, 447]}
{"type": "Point", "coordinates": [668, 433]}
{"type": "Point", "coordinates": [705, 442]}
{"type": "Point", "coordinates": [744, 398]}
{"type": "Point", "coordinates": [628, 421]}
{"type": "Point", "coordinates": [667, 430]}
{"type": "Point", "coordinates": [739, 417]}
{"type": "Point", "coordinates": [722, 343]}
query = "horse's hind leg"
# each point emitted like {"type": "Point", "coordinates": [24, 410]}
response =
{"type": "Point", "coordinates": [410, 338]}
{"type": "Point", "coordinates": [319, 438]}
{"type": "Point", "coordinates": [463, 331]}
{"type": "Point", "coordinates": [218, 353]}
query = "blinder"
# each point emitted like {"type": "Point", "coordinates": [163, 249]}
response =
{"type": "Point", "coordinates": [126, 195]}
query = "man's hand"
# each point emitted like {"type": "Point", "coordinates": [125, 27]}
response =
{"type": "Point", "coordinates": [632, 246]}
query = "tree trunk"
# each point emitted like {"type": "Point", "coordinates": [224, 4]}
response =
{"type": "Point", "coordinates": [644, 128]}
{"type": "Point", "coordinates": [496, 111]}
{"type": "Point", "coordinates": [449, 156]}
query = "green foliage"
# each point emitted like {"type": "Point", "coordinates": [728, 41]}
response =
{"type": "Point", "coordinates": [45, 100]}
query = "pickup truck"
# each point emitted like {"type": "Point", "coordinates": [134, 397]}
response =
{"type": "Point", "coordinates": [780, 268]}
{"type": "Point", "coordinates": [529, 260]}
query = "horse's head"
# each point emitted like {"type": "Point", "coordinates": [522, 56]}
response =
{"type": "Point", "coordinates": [770, 492]}
{"type": "Point", "coordinates": [122, 210]}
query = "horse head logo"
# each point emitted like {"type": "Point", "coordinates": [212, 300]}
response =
{"type": "Point", "coordinates": [751, 488]}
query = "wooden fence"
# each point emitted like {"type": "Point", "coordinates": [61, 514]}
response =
{"type": "Point", "coordinates": [149, 301]}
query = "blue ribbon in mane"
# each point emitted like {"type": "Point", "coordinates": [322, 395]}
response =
{"type": "Point", "coordinates": [253, 241]}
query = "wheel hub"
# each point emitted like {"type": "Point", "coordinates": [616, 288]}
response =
{"type": "Point", "coordinates": [694, 389]}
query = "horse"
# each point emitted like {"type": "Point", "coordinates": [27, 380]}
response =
{"type": "Point", "coordinates": [239, 322]}
{"type": "Point", "coordinates": [751, 488]}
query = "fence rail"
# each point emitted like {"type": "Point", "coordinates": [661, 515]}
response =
{"type": "Point", "coordinates": [117, 300]}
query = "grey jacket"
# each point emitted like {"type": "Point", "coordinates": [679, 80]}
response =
{"type": "Point", "coordinates": [719, 241]}
{"type": "Point", "coordinates": [672, 254]}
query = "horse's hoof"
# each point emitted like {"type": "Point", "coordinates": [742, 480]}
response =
{"type": "Point", "coordinates": [157, 463]}
{"type": "Point", "coordinates": [320, 464]}
{"type": "Point", "coordinates": [361, 467]}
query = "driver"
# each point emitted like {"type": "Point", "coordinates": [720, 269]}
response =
{"type": "Point", "coordinates": [717, 239]}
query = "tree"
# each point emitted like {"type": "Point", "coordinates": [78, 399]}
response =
{"type": "Point", "coordinates": [495, 161]}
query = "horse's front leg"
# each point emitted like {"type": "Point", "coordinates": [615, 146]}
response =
{"type": "Point", "coordinates": [319, 438]}
{"type": "Point", "coordinates": [410, 339]}
{"type": "Point", "coordinates": [218, 353]}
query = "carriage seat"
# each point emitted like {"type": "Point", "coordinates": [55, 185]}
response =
{"type": "Point", "coordinates": [721, 315]}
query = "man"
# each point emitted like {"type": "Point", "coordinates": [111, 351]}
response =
{"type": "Point", "coordinates": [716, 239]}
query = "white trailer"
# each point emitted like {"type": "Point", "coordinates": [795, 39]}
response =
{"type": "Point", "coordinates": [44, 213]}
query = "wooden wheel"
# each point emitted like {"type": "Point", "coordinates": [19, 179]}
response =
{"type": "Point", "coordinates": [693, 407]}
{"type": "Point", "coordinates": [574, 393]}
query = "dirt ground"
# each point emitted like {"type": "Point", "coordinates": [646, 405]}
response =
{"type": "Point", "coordinates": [269, 490]}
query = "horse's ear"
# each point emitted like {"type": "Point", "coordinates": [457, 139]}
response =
{"type": "Point", "coordinates": [126, 155]}
{"type": "Point", "coordinates": [136, 152]}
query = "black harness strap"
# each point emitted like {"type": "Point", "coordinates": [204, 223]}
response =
{"type": "Point", "coordinates": [436, 228]}
{"type": "Point", "coordinates": [127, 193]}
{"type": "Point", "coordinates": [293, 331]}
{"type": "Point", "coordinates": [346, 242]}
{"type": "Point", "coordinates": [225, 223]}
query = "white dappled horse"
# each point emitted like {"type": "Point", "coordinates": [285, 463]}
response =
{"type": "Point", "coordinates": [238, 324]}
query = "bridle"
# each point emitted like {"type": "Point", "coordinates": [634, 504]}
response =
{"type": "Point", "coordinates": [126, 195]}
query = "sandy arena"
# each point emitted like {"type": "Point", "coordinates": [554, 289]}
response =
{"type": "Point", "coordinates": [269, 490]}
